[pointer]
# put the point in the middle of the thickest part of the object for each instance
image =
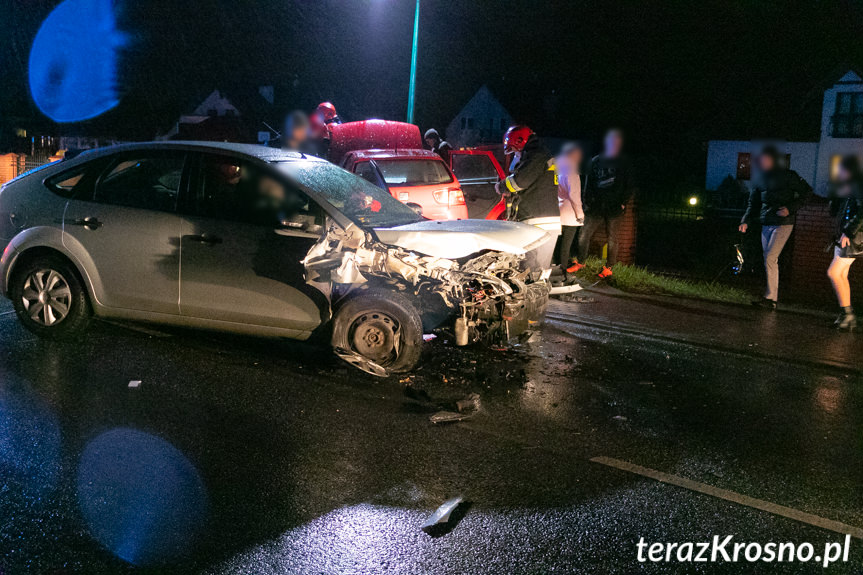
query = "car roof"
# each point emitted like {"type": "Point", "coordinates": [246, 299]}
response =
{"type": "Point", "coordinates": [262, 153]}
{"type": "Point", "coordinates": [400, 153]}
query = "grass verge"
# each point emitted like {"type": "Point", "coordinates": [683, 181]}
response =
{"type": "Point", "coordinates": [637, 279]}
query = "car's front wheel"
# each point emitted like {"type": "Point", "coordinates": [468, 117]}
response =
{"type": "Point", "coordinates": [383, 328]}
{"type": "Point", "coordinates": [49, 298]}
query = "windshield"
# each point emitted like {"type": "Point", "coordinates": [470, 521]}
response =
{"type": "Point", "coordinates": [364, 203]}
{"type": "Point", "coordinates": [422, 172]}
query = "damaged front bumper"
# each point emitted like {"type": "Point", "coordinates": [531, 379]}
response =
{"type": "Point", "coordinates": [483, 297]}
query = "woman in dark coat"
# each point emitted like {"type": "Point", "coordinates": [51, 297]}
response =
{"type": "Point", "coordinates": [849, 246]}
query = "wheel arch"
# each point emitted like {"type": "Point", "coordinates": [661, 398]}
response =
{"type": "Point", "coordinates": [34, 252]}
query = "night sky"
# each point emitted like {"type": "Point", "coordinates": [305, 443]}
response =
{"type": "Point", "coordinates": [672, 73]}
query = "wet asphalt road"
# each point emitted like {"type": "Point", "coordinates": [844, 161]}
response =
{"type": "Point", "coordinates": [251, 456]}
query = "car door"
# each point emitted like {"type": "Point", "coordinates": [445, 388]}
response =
{"type": "Point", "coordinates": [127, 231]}
{"type": "Point", "coordinates": [477, 172]}
{"type": "Point", "coordinates": [246, 232]}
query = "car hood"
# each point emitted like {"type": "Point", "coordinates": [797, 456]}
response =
{"type": "Point", "coordinates": [456, 239]}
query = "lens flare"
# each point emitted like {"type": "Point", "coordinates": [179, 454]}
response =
{"type": "Point", "coordinates": [74, 61]}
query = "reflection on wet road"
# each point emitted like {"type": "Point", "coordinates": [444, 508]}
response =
{"type": "Point", "coordinates": [242, 455]}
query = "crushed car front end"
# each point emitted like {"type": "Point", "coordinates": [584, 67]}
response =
{"type": "Point", "coordinates": [483, 296]}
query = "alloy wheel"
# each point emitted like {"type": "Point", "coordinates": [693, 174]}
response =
{"type": "Point", "coordinates": [46, 297]}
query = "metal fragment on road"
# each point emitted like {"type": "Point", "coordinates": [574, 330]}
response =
{"type": "Point", "coordinates": [134, 384]}
{"type": "Point", "coordinates": [442, 514]}
{"type": "Point", "coordinates": [469, 404]}
{"type": "Point", "coordinates": [361, 362]}
{"type": "Point", "coordinates": [447, 417]}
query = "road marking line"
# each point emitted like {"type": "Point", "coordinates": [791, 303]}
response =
{"type": "Point", "coordinates": [732, 496]}
{"type": "Point", "coordinates": [7, 312]}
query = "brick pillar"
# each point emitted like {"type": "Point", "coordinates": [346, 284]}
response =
{"type": "Point", "coordinates": [626, 237]}
{"type": "Point", "coordinates": [813, 233]}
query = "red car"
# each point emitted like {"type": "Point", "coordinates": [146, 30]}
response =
{"type": "Point", "coordinates": [478, 171]}
{"type": "Point", "coordinates": [419, 178]}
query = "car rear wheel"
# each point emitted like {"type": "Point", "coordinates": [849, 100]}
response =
{"type": "Point", "coordinates": [382, 327]}
{"type": "Point", "coordinates": [49, 298]}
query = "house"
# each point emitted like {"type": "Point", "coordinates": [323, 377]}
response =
{"type": "Point", "coordinates": [841, 134]}
{"type": "Point", "coordinates": [482, 120]}
{"type": "Point", "coordinates": [244, 116]}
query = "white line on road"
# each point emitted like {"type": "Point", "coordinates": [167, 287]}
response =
{"type": "Point", "coordinates": [7, 312]}
{"type": "Point", "coordinates": [773, 508]}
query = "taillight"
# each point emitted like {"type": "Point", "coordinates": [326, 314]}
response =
{"type": "Point", "coordinates": [449, 196]}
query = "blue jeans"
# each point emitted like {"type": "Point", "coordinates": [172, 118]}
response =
{"type": "Point", "coordinates": [773, 240]}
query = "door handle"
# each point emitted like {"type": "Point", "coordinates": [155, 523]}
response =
{"type": "Point", "coordinates": [204, 239]}
{"type": "Point", "coordinates": [88, 223]}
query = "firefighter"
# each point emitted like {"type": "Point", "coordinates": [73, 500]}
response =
{"type": "Point", "coordinates": [531, 190]}
{"type": "Point", "coordinates": [323, 119]}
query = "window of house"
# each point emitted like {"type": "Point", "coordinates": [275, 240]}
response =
{"type": "Point", "coordinates": [503, 125]}
{"type": "Point", "coordinates": [463, 123]}
{"type": "Point", "coordinates": [848, 119]}
{"type": "Point", "coordinates": [744, 166]}
{"type": "Point", "coordinates": [786, 162]}
{"type": "Point", "coordinates": [145, 182]}
{"type": "Point", "coordinates": [470, 123]}
{"type": "Point", "coordinates": [835, 160]}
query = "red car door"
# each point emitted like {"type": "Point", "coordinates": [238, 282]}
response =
{"type": "Point", "coordinates": [478, 171]}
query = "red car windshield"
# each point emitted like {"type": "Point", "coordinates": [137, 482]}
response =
{"type": "Point", "coordinates": [418, 172]}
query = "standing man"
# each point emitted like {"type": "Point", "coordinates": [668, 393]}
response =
{"type": "Point", "coordinates": [568, 166]}
{"type": "Point", "coordinates": [779, 192]}
{"type": "Point", "coordinates": [532, 188]}
{"type": "Point", "coordinates": [323, 119]}
{"type": "Point", "coordinates": [609, 187]}
{"type": "Point", "coordinates": [437, 144]}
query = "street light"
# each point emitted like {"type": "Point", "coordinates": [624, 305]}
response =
{"type": "Point", "coordinates": [413, 65]}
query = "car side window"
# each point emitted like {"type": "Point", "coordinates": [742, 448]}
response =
{"type": "Point", "coordinates": [366, 172]}
{"type": "Point", "coordinates": [142, 181]}
{"type": "Point", "coordinates": [77, 183]}
{"type": "Point", "coordinates": [232, 189]}
{"type": "Point", "coordinates": [473, 167]}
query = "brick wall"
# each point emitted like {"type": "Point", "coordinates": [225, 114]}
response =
{"type": "Point", "coordinates": [808, 262]}
{"type": "Point", "coordinates": [626, 239]}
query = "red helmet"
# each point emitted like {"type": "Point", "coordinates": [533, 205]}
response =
{"type": "Point", "coordinates": [515, 138]}
{"type": "Point", "coordinates": [327, 111]}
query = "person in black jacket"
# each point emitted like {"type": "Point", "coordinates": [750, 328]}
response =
{"type": "Point", "coordinates": [437, 144]}
{"type": "Point", "coordinates": [776, 196]}
{"type": "Point", "coordinates": [609, 187]}
{"type": "Point", "coordinates": [532, 188]}
{"type": "Point", "coordinates": [849, 246]}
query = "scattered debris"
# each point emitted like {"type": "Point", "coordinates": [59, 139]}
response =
{"type": "Point", "coordinates": [429, 336]}
{"type": "Point", "coordinates": [134, 384]}
{"type": "Point", "coordinates": [448, 417]}
{"type": "Point", "coordinates": [361, 362]}
{"type": "Point", "coordinates": [620, 418]}
{"type": "Point", "coordinates": [469, 404]}
{"type": "Point", "coordinates": [440, 520]}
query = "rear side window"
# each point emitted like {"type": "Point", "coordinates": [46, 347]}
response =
{"type": "Point", "coordinates": [413, 172]}
{"type": "Point", "coordinates": [144, 182]}
{"type": "Point", "coordinates": [75, 183]}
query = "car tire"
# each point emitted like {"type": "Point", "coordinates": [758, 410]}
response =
{"type": "Point", "coordinates": [54, 281]}
{"type": "Point", "coordinates": [382, 326]}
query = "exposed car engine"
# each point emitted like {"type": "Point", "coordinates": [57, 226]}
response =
{"type": "Point", "coordinates": [486, 295]}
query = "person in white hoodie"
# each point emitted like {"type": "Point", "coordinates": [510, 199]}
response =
{"type": "Point", "coordinates": [568, 167]}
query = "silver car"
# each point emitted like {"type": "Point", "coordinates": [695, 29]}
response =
{"type": "Point", "coordinates": [258, 241]}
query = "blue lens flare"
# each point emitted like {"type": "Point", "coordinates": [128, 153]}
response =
{"type": "Point", "coordinates": [74, 61]}
{"type": "Point", "coordinates": [140, 496]}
